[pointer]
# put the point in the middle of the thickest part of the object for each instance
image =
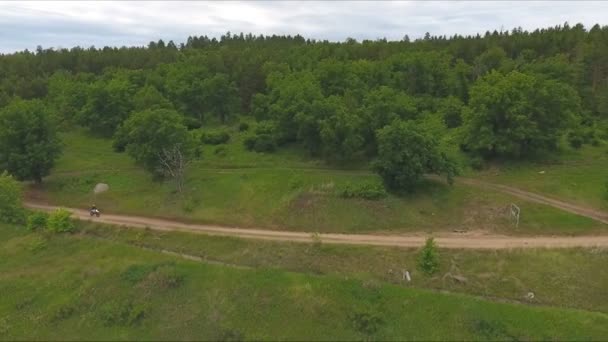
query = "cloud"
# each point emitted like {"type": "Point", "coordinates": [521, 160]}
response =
{"type": "Point", "coordinates": [70, 23]}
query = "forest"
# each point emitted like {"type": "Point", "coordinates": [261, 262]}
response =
{"type": "Point", "coordinates": [404, 108]}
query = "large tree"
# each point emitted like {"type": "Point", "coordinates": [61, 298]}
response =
{"type": "Point", "coordinates": [220, 97]}
{"type": "Point", "coordinates": [518, 114]}
{"type": "Point", "coordinates": [29, 145]}
{"type": "Point", "coordinates": [406, 153]}
{"type": "Point", "coordinates": [148, 134]}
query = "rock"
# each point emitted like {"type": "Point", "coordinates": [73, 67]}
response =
{"type": "Point", "coordinates": [101, 187]}
{"type": "Point", "coordinates": [542, 172]}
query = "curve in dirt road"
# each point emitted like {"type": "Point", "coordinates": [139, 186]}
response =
{"type": "Point", "coordinates": [444, 240]}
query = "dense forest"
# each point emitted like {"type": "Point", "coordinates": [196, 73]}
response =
{"type": "Point", "coordinates": [407, 107]}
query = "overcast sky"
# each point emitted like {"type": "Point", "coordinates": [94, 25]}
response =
{"type": "Point", "coordinates": [66, 24]}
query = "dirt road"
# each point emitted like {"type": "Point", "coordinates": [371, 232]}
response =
{"type": "Point", "coordinates": [444, 240]}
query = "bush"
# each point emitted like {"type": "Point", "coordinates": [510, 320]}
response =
{"type": "Point", "coordinates": [243, 126]}
{"type": "Point", "coordinates": [11, 210]}
{"type": "Point", "coordinates": [59, 222]}
{"type": "Point", "coordinates": [215, 137]}
{"type": "Point", "coordinates": [606, 191]}
{"type": "Point", "coordinates": [369, 191]}
{"type": "Point", "coordinates": [220, 151]}
{"type": "Point", "coordinates": [367, 322]}
{"type": "Point", "coordinates": [249, 142]}
{"type": "Point", "coordinates": [477, 163]}
{"type": "Point", "coordinates": [192, 123]}
{"type": "Point", "coordinates": [260, 143]}
{"type": "Point", "coordinates": [428, 259]}
{"type": "Point", "coordinates": [37, 221]}
{"type": "Point", "coordinates": [265, 127]}
{"type": "Point", "coordinates": [576, 139]}
{"type": "Point", "coordinates": [121, 314]}
{"type": "Point", "coordinates": [264, 143]}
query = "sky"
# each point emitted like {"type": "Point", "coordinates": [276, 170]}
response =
{"type": "Point", "coordinates": [27, 24]}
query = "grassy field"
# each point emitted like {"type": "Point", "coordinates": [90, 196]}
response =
{"type": "Point", "coordinates": [579, 176]}
{"type": "Point", "coordinates": [285, 191]}
{"type": "Point", "coordinates": [68, 287]}
{"type": "Point", "coordinates": [566, 278]}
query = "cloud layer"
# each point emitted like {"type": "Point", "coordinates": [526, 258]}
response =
{"type": "Point", "coordinates": [70, 23]}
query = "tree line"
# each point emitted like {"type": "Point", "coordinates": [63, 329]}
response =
{"type": "Point", "coordinates": [408, 106]}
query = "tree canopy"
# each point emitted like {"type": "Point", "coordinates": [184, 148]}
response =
{"type": "Point", "coordinates": [146, 134]}
{"type": "Point", "coordinates": [29, 145]}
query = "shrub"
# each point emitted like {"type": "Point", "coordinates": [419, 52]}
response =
{"type": "Point", "coordinates": [264, 143]}
{"type": "Point", "coordinates": [11, 210]}
{"type": "Point", "coordinates": [576, 139]}
{"type": "Point", "coordinates": [265, 127]}
{"type": "Point", "coordinates": [428, 259]}
{"type": "Point", "coordinates": [220, 151]}
{"type": "Point", "coordinates": [121, 314]}
{"type": "Point", "coordinates": [367, 322]}
{"type": "Point", "coordinates": [192, 123]}
{"type": "Point", "coordinates": [215, 137]}
{"type": "Point", "coordinates": [59, 222]}
{"type": "Point", "coordinates": [260, 143]}
{"type": "Point", "coordinates": [37, 221]}
{"type": "Point", "coordinates": [249, 142]}
{"type": "Point", "coordinates": [477, 163]}
{"type": "Point", "coordinates": [369, 191]}
{"type": "Point", "coordinates": [606, 191]}
{"type": "Point", "coordinates": [243, 126]}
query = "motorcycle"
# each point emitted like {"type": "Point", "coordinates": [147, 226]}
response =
{"type": "Point", "coordinates": [94, 212]}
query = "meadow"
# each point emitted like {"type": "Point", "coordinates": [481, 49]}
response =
{"type": "Point", "coordinates": [110, 290]}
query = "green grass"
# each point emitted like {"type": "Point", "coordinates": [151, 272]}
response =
{"type": "Point", "coordinates": [565, 277]}
{"type": "Point", "coordinates": [280, 191]}
{"type": "Point", "coordinates": [578, 176]}
{"type": "Point", "coordinates": [82, 288]}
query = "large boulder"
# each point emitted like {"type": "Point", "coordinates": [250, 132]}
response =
{"type": "Point", "coordinates": [101, 187]}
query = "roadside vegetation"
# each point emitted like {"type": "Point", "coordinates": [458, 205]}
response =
{"type": "Point", "coordinates": [110, 290]}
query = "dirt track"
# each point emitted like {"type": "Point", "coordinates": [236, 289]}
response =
{"type": "Point", "coordinates": [444, 240]}
{"type": "Point", "coordinates": [532, 197]}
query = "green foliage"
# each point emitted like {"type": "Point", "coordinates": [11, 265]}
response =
{"type": "Point", "coordinates": [28, 140]}
{"type": "Point", "coordinates": [37, 221]}
{"type": "Point", "coordinates": [146, 134]}
{"type": "Point", "coordinates": [263, 138]}
{"type": "Point", "coordinates": [121, 313]}
{"type": "Point", "coordinates": [367, 322]}
{"type": "Point", "coordinates": [517, 115]}
{"type": "Point", "coordinates": [215, 137]}
{"type": "Point", "coordinates": [451, 109]}
{"type": "Point", "coordinates": [220, 151]}
{"type": "Point", "coordinates": [405, 154]}
{"type": "Point", "coordinates": [576, 139]}
{"type": "Point", "coordinates": [367, 190]}
{"type": "Point", "coordinates": [149, 97]}
{"type": "Point", "coordinates": [108, 105]}
{"type": "Point", "coordinates": [260, 143]}
{"type": "Point", "coordinates": [11, 209]}
{"type": "Point", "coordinates": [428, 258]}
{"type": "Point", "coordinates": [60, 221]}
{"type": "Point", "coordinates": [192, 123]}
{"type": "Point", "coordinates": [162, 276]}
{"type": "Point", "coordinates": [220, 96]}
{"type": "Point", "coordinates": [243, 126]}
